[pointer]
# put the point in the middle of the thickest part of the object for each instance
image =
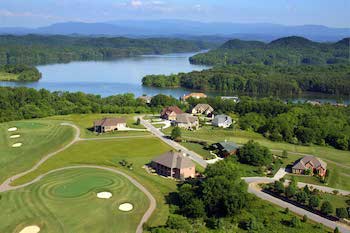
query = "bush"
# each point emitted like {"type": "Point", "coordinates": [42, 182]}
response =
{"type": "Point", "coordinates": [305, 218]}
{"type": "Point", "coordinates": [176, 133]}
{"type": "Point", "coordinates": [295, 222]}
{"type": "Point", "coordinates": [314, 202]}
{"type": "Point", "coordinates": [342, 213]}
{"type": "Point", "coordinates": [326, 208]}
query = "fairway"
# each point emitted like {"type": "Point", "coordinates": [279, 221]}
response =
{"type": "Point", "coordinates": [65, 201]}
{"type": "Point", "coordinates": [109, 152]}
{"type": "Point", "coordinates": [37, 138]}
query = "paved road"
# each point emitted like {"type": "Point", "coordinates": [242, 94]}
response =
{"type": "Point", "coordinates": [192, 155]}
{"type": "Point", "coordinates": [5, 186]}
{"type": "Point", "coordinates": [254, 189]}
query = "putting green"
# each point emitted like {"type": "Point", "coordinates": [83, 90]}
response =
{"type": "Point", "coordinates": [65, 201]}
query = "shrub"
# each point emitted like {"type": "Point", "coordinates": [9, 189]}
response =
{"type": "Point", "coordinates": [295, 222]}
{"type": "Point", "coordinates": [326, 208]}
{"type": "Point", "coordinates": [342, 213]}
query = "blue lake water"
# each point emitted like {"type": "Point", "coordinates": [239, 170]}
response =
{"type": "Point", "coordinates": [124, 75]}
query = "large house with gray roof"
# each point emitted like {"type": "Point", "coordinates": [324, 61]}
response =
{"type": "Point", "coordinates": [223, 121]}
{"type": "Point", "coordinates": [204, 109]}
{"type": "Point", "coordinates": [226, 148]}
{"type": "Point", "coordinates": [109, 124]}
{"type": "Point", "coordinates": [174, 164]}
{"type": "Point", "coordinates": [186, 121]}
{"type": "Point", "coordinates": [312, 164]}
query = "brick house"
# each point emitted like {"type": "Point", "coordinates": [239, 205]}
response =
{"type": "Point", "coordinates": [109, 124]}
{"type": "Point", "coordinates": [186, 121]}
{"type": "Point", "coordinates": [311, 163]}
{"type": "Point", "coordinates": [174, 164]}
{"type": "Point", "coordinates": [170, 113]}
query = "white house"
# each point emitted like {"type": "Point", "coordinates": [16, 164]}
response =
{"type": "Point", "coordinates": [223, 121]}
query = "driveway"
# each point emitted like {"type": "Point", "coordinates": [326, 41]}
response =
{"type": "Point", "coordinates": [192, 155]}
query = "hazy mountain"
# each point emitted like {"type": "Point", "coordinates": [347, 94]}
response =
{"type": "Point", "coordinates": [185, 28]}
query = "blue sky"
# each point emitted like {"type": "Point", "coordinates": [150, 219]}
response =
{"type": "Point", "coordinates": [32, 13]}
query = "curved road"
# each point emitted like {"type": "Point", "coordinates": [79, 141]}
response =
{"type": "Point", "coordinates": [5, 186]}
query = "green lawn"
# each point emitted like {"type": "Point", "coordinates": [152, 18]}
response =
{"type": "Point", "coordinates": [65, 201]}
{"type": "Point", "coordinates": [198, 149]}
{"type": "Point", "coordinates": [39, 137]}
{"type": "Point", "coordinates": [338, 161]}
{"type": "Point", "coordinates": [86, 121]}
{"type": "Point", "coordinates": [110, 152]}
{"type": "Point", "coordinates": [4, 76]}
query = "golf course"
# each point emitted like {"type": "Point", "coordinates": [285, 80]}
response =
{"type": "Point", "coordinates": [69, 197]}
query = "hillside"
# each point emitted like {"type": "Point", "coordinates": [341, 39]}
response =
{"type": "Point", "coordinates": [19, 73]}
{"type": "Point", "coordinates": [284, 51]}
{"type": "Point", "coordinates": [36, 49]}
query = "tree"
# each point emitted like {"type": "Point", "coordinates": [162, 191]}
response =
{"type": "Point", "coordinates": [284, 154]}
{"type": "Point", "coordinates": [138, 121]}
{"type": "Point", "coordinates": [314, 201]}
{"type": "Point", "coordinates": [254, 154]}
{"type": "Point", "coordinates": [295, 222]}
{"type": "Point", "coordinates": [301, 197]}
{"type": "Point", "coordinates": [307, 190]}
{"type": "Point", "coordinates": [195, 209]}
{"type": "Point", "coordinates": [286, 211]}
{"type": "Point", "coordinates": [278, 187]}
{"type": "Point", "coordinates": [305, 218]}
{"type": "Point", "coordinates": [336, 230]}
{"type": "Point", "coordinates": [341, 212]}
{"type": "Point", "coordinates": [176, 133]}
{"type": "Point", "coordinates": [178, 222]}
{"type": "Point", "coordinates": [290, 191]}
{"type": "Point", "coordinates": [326, 208]}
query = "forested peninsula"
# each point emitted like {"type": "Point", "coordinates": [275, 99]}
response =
{"type": "Point", "coordinates": [40, 49]}
{"type": "Point", "coordinates": [287, 66]}
{"type": "Point", "coordinates": [19, 73]}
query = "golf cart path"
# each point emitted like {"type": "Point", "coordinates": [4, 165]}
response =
{"type": "Point", "coordinates": [5, 186]}
{"type": "Point", "coordinates": [152, 200]}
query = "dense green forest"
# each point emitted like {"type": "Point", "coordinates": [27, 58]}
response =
{"type": "Point", "coordinates": [19, 73]}
{"type": "Point", "coordinates": [261, 79]}
{"type": "Point", "coordinates": [38, 49]}
{"type": "Point", "coordinates": [295, 123]}
{"type": "Point", "coordinates": [284, 51]}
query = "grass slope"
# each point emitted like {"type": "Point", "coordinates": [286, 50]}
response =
{"type": "Point", "coordinates": [4, 76]}
{"type": "Point", "coordinates": [338, 161]}
{"type": "Point", "coordinates": [86, 121]}
{"type": "Point", "coordinates": [39, 137]}
{"type": "Point", "coordinates": [110, 152]}
{"type": "Point", "coordinates": [65, 201]}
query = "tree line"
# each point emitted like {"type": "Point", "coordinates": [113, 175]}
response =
{"type": "Point", "coordinates": [40, 49]}
{"type": "Point", "coordinates": [284, 51]}
{"type": "Point", "coordinates": [261, 80]}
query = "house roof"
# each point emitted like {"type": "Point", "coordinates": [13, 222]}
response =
{"type": "Point", "coordinates": [222, 118]}
{"type": "Point", "coordinates": [109, 121]}
{"type": "Point", "coordinates": [195, 95]}
{"type": "Point", "coordinates": [173, 159]}
{"type": "Point", "coordinates": [228, 146]}
{"type": "Point", "coordinates": [203, 107]}
{"type": "Point", "coordinates": [169, 110]}
{"type": "Point", "coordinates": [316, 162]}
{"type": "Point", "coordinates": [186, 118]}
{"type": "Point", "coordinates": [146, 98]}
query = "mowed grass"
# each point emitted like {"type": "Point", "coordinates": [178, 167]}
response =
{"type": "Point", "coordinates": [86, 121]}
{"type": "Point", "coordinates": [338, 161]}
{"type": "Point", "coordinates": [65, 201]}
{"type": "Point", "coordinates": [39, 137]}
{"type": "Point", "coordinates": [4, 76]}
{"type": "Point", "coordinates": [110, 152]}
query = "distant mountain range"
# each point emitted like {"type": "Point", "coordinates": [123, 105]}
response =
{"type": "Point", "coordinates": [186, 29]}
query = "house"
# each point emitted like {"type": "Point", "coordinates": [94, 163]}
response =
{"type": "Point", "coordinates": [187, 121]}
{"type": "Point", "coordinates": [146, 99]}
{"type": "Point", "coordinates": [314, 103]}
{"type": "Point", "coordinates": [310, 163]}
{"type": "Point", "coordinates": [170, 113]}
{"type": "Point", "coordinates": [205, 109]}
{"type": "Point", "coordinates": [226, 148]}
{"type": "Point", "coordinates": [174, 164]}
{"type": "Point", "coordinates": [223, 121]}
{"type": "Point", "coordinates": [194, 95]}
{"type": "Point", "coordinates": [234, 98]}
{"type": "Point", "coordinates": [109, 124]}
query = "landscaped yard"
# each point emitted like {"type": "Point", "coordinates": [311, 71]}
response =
{"type": "Point", "coordinates": [86, 121]}
{"type": "Point", "coordinates": [338, 161]}
{"type": "Point", "coordinates": [110, 152]}
{"type": "Point", "coordinates": [65, 201]}
{"type": "Point", "coordinates": [38, 138]}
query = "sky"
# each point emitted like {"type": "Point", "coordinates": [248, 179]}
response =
{"type": "Point", "coordinates": [35, 13]}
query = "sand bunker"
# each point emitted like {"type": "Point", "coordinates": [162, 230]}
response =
{"type": "Point", "coordinates": [126, 207]}
{"type": "Point", "coordinates": [15, 136]}
{"type": "Point", "coordinates": [17, 144]}
{"type": "Point", "coordinates": [104, 195]}
{"type": "Point", "coordinates": [12, 129]}
{"type": "Point", "coordinates": [30, 229]}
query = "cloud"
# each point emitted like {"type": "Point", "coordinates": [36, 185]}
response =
{"type": "Point", "coordinates": [7, 13]}
{"type": "Point", "coordinates": [136, 3]}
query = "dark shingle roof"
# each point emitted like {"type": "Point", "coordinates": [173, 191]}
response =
{"type": "Point", "coordinates": [203, 107]}
{"type": "Point", "coordinates": [316, 162]}
{"type": "Point", "coordinates": [186, 118]}
{"type": "Point", "coordinates": [109, 121]}
{"type": "Point", "coordinates": [173, 159]}
{"type": "Point", "coordinates": [228, 146]}
{"type": "Point", "coordinates": [171, 109]}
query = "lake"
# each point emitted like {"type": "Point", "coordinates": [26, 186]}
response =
{"type": "Point", "coordinates": [124, 75]}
